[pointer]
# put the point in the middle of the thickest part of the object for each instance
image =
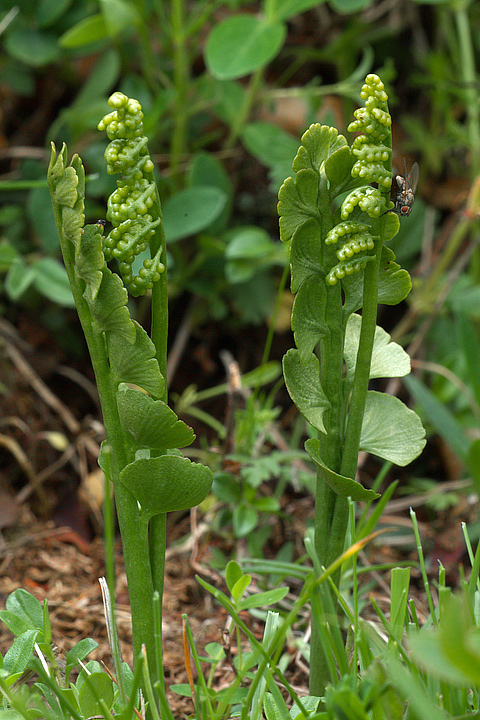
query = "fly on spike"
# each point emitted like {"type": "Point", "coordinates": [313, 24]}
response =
{"type": "Point", "coordinates": [404, 196]}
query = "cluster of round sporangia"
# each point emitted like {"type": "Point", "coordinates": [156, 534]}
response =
{"type": "Point", "coordinates": [348, 227]}
{"type": "Point", "coordinates": [370, 165]}
{"type": "Point", "coordinates": [345, 269]}
{"type": "Point", "coordinates": [147, 276]}
{"type": "Point", "coordinates": [374, 118]}
{"type": "Point", "coordinates": [126, 119]}
{"type": "Point", "coordinates": [368, 199]}
{"type": "Point", "coordinates": [132, 206]}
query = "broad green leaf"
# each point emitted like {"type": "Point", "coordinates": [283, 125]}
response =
{"type": "Point", "coordinates": [263, 599]}
{"type": "Point", "coordinates": [343, 486]}
{"type": "Point", "coordinates": [273, 147]}
{"type": "Point", "coordinates": [306, 255]}
{"type": "Point", "coordinates": [303, 384]}
{"type": "Point", "coordinates": [17, 625]}
{"type": "Point", "coordinates": [207, 170]}
{"type": "Point", "coordinates": [394, 284]}
{"type": "Point", "coordinates": [136, 364]}
{"type": "Point", "coordinates": [224, 97]}
{"type": "Point", "coordinates": [26, 606]}
{"type": "Point", "coordinates": [226, 488]}
{"type": "Point", "coordinates": [109, 308]}
{"type": "Point", "coordinates": [249, 242]}
{"type": "Point", "coordinates": [191, 210]}
{"type": "Point", "coordinates": [318, 143]}
{"type": "Point", "coordinates": [241, 44]}
{"type": "Point", "coordinates": [266, 504]}
{"type": "Point", "coordinates": [166, 483]}
{"type": "Point", "coordinates": [245, 520]}
{"type": "Point", "coordinates": [273, 710]}
{"type": "Point", "coordinates": [151, 423]}
{"type": "Point", "coordinates": [298, 202]}
{"type": "Point", "coordinates": [233, 572]}
{"type": "Point", "coordinates": [444, 421]}
{"type": "Point", "coordinates": [119, 15]}
{"type": "Point", "coordinates": [51, 280]}
{"type": "Point", "coordinates": [80, 651]}
{"type": "Point", "coordinates": [249, 249]}
{"type": "Point", "coordinates": [88, 30]}
{"type": "Point", "coordinates": [390, 430]}
{"type": "Point", "coordinates": [308, 315]}
{"type": "Point", "coordinates": [19, 278]}
{"type": "Point", "coordinates": [32, 47]}
{"type": "Point", "coordinates": [99, 82]}
{"type": "Point", "coordinates": [388, 358]}
{"type": "Point", "coordinates": [97, 686]}
{"type": "Point", "coordinates": [240, 586]}
{"type": "Point", "coordinates": [309, 702]}
{"type": "Point", "coordinates": [20, 653]}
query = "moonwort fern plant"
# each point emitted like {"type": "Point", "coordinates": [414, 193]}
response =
{"type": "Point", "coordinates": [337, 224]}
{"type": "Point", "coordinates": [140, 455]}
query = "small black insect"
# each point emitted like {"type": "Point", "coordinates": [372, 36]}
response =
{"type": "Point", "coordinates": [102, 223]}
{"type": "Point", "coordinates": [404, 193]}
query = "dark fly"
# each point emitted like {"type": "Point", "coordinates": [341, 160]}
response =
{"type": "Point", "coordinates": [404, 193]}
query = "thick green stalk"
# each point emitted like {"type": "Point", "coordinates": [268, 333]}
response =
{"type": "Point", "coordinates": [362, 368]}
{"type": "Point", "coordinates": [330, 351]}
{"type": "Point", "coordinates": [134, 533]}
{"type": "Point", "coordinates": [159, 336]}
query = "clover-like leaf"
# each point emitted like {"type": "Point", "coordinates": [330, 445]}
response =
{"type": "Point", "coordinates": [388, 358]}
{"type": "Point", "coordinates": [136, 364]}
{"type": "Point", "coordinates": [318, 143]}
{"type": "Point", "coordinates": [394, 284]}
{"type": "Point", "coordinates": [308, 315]}
{"type": "Point", "coordinates": [110, 307]}
{"type": "Point", "coordinates": [390, 430]}
{"type": "Point", "coordinates": [90, 261]}
{"type": "Point", "coordinates": [303, 384]}
{"type": "Point", "coordinates": [306, 254]}
{"type": "Point", "coordinates": [338, 168]}
{"type": "Point", "coordinates": [166, 483]}
{"type": "Point", "coordinates": [151, 423]}
{"type": "Point", "coordinates": [343, 486]}
{"type": "Point", "coordinates": [297, 202]}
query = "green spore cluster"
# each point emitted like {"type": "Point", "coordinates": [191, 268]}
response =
{"type": "Point", "coordinates": [134, 207]}
{"type": "Point", "coordinates": [374, 121]}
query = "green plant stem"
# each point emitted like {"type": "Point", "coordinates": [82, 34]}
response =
{"type": "Point", "coordinates": [327, 545]}
{"type": "Point", "coordinates": [469, 77]}
{"type": "Point", "coordinates": [362, 368]}
{"type": "Point", "coordinates": [242, 116]}
{"type": "Point", "coordinates": [158, 524]}
{"type": "Point", "coordinates": [134, 533]}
